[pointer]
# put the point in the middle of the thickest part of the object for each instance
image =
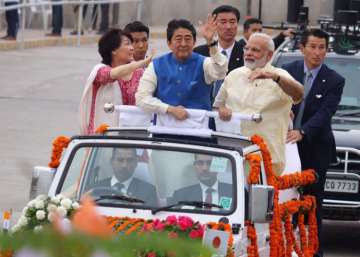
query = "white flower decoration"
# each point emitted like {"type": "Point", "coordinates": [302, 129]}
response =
{"type": "Point", "coordinates": [51, 216]}
{"type": "Point", "coordinates": [51, 207]}
{"type": "Point", "coordinates": [40, 214]}
{"type": "Point", "coordinates": [66, 203]}
{"type": "Point", "coordinates": [41, 197]}
{"type": "Point", "coordinates": [31, 204]}
{"type": "Point", "coordinates": [39, 204]}
{"type": "Point", "coordinates": [38, 228]}
{"type": "Point", "coordinates": [75, 205]}
{"type": "Point", "coordinates": [23, 221]}
{"type": "Point", "coordinates": [61, 211]}
{"type": "Point", "coordinates": [15, 228]}
{"type": "Point", "coordinates": [24, 211]}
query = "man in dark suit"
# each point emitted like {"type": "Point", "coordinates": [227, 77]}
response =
{"type": "Point", "coordinates": [123, 163]}
{"type": "Point", "coordinates": [209, 189]}
{"type": "Point", "coordinates": [227, 18]}
{"type": "Point", "coordinates": [312, 118]}
{"type": "Point", "coordinates": [253, 25]}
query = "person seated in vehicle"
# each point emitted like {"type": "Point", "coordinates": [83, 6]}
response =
{"type": "Point", "coordinates": [182, 79]}
{"type": "Point", "coordinates": [123, 162]}
{"type": "Point", "coordinates": [208, 189]}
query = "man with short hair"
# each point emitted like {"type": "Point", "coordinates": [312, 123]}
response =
{"type": "Point", "coordinates": [181, 79]}
{"type": "Point", "coordinates": [140, 34]}
{"type": "Point", "coordinates": [258, 87]}
{"type": "Point", "coordinates": [208, 189]}
{"type": "Point", "coordinates": [312, 131]}
{"type": "Point", "coordinates": [124, 162]}
{"type": "Point", "coordinates": [253, 25]}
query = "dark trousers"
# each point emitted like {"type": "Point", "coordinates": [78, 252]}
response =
{"type": "Point", "coordinates": [12, 19]}
{"type": "Point", "coordinates": [104, 24]}
{"type": "Point", "coordinates": [316, 156]}
{"type": "Point", "coordinates": [57, 18]}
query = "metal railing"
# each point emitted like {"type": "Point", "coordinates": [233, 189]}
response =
{"type": "Point", "coordinates": [25, 5]}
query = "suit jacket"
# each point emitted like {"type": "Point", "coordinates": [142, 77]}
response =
{"type": "Point", "coordinates": [194, 193]}
{"type": "Point", "coordinates": [235, 60]}
{"type": "Point", "coordinates": [137, 188]}
{"type": "Point", "coordinates": [278, 40]}
{"type": "Point", "coordinates": [317, 148]}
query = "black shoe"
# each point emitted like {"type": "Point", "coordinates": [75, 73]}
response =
{"type": "Point", "coordinates": [11, 38]}
{"type": "Point", "coordinates": [100, 32]}
{"type": "Point", "coordinates": [52, 34]}
{"type": "Point", "coordinates": [74, 32]}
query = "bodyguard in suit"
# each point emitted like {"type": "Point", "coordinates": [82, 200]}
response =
{"type": "Point", "coordinates": [227, 25]}
{"type": "Point", "coordinates": [312, 118]}
{"type": "Point", "coordinates": [209, 189]}
{"type": "Point", "coordinates": [253, 25]}
{"type": "Point", "coordinates": [123, 163]}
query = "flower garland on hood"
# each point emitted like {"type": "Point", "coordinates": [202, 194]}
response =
{"type": "Point", "coordinates": [284, 211]}
{"type": "Point", "coordinates": [61, 142]}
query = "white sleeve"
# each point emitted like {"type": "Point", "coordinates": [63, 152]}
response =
{"type": "Point", "coordinates": [215, 67]}
{"type": "Point", "coordinates": [144, 94]}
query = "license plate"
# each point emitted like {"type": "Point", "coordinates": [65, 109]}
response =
{"type": "Point", "coordinates": [341, 185]}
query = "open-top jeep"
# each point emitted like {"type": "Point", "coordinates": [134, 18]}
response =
{"type": "Point", "coordinates": [165, 173]}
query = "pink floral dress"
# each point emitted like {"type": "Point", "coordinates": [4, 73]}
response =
{"type": "Point", "coordinates": [128, 89]}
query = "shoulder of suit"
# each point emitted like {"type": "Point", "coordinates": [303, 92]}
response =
{"type": "Point", "coordinates": [332, 72]}
{"type": "Point", "coordinates": [202, 49]}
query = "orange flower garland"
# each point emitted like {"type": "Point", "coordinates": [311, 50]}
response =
{"type": "Point", "coordinates": [307, 203]}
{"type": "Point", "coordinates": [59, 144]}
{"type": "Point", "coordinates": [101, 129]}
{"type": "Point", "coordinates": [252, 249]}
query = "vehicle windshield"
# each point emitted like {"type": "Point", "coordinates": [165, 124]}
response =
{"type": "Point", "coordinates": [349, 68]}
{"type": "Point", "coordinates": [147, 178]}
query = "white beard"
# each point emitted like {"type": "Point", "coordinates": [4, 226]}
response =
{"type": "Point", "coordinates": [255, 64]}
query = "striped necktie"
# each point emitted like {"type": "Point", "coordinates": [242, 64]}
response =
{"type": "Point", "coordinates": [307, 87]}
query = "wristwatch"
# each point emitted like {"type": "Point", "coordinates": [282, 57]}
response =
{"type": "Point", "coordinates": [213, 44]}
{"type": "Point", "coordinates": [277, 79]}
{"type": "Point", "coordinates": [302, 132]}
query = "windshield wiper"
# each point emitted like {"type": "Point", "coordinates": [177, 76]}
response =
{"type": "Point", "coordinates": [119, 197]}
{"type": "Point", "coordinates": [198, 204]}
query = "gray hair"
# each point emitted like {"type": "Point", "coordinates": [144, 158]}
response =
{"type": "Point", "coordinates": [269, 41]}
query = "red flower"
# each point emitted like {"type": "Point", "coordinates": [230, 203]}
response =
{"type": "Point", "coordinates": [158, 225]}
{"type": "Point", "coordinates": [151, 254]}
{"type": "Point", "coordinates": [185, 222]}
{"type": "Point", "coordinates": [171, 220]}
{"type": "Point", "coordinates": [196, 234]}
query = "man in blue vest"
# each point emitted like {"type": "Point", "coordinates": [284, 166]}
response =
{"type": "Point", "coordinates": [181, 79]}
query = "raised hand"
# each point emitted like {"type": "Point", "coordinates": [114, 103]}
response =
{"type": "Point", "coordinates": [208, 28]}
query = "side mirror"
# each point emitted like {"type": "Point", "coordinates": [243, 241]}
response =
{"type": "Point", "coordinates": [41, 180]}
{"type": "Point", "coordinates": [261, 203]}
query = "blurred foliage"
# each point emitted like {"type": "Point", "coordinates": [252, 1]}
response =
{"type": "Point", "coordinates": [53, 244]}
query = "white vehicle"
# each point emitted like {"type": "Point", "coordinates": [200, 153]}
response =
{"type": "Point", "coordinates": [162, 176]}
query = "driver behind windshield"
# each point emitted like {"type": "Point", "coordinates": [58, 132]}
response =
{"type": "Point", "coordinates": [123, 162]}
{"type": "Point", "coordinates": [208, 189]}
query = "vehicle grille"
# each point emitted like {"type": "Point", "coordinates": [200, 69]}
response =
{"type": "Point", "coordinates": [353, 164]}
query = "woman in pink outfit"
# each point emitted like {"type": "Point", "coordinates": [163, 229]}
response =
{"type": "Point", "coordinates": [115, 81]}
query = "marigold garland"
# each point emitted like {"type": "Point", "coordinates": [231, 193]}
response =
{"type": "Point", "coordinates": [102, 128]}
{"type": "Point", "coordinates": [59, 144]}
{"type": "Point", "coordinates": [284, 211]}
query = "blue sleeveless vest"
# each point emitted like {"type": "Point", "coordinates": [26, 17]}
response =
{"type": "Point", "coordinates": [182, 83]}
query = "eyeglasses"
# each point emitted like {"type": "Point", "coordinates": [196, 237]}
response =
{"type": "Point", "coordinates": [202, 162]}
